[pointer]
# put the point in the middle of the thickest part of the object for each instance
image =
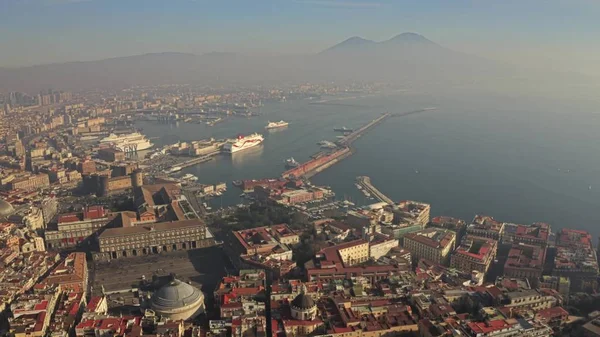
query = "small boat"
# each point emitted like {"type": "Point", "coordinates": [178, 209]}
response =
{"type": "Point", "coordinates": [291, 163]}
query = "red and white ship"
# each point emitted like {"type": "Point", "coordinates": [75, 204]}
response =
{"type": "Point", "coordinates": [243, 143]}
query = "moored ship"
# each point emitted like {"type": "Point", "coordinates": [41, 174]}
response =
{"type": "Point", "coordinates": [291, 163]}
{"type": "Point", "coordinates": [128, 142]}
{"type": "Point", "coordinates": [189, 177]}
{"type": "Point", "coordinates": [276, 125]}
{"type": "Point", "coordinates": [243, 143]}
{"type": "Point", "coordinates": [327, 144]}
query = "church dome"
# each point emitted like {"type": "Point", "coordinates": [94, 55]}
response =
{"type": "Point", "coordinates": [178, 300]}
{"type": "Point", "coordinates": [5, 208]}
{"type": "Point", "coordinates": [303, 301]}
{"type": "Point", "coordinates": [303, 307]}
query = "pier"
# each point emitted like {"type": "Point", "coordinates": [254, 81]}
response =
{"type": "Point", "coordinates": [323, 160]}
{"type": "Point", "coordinates": [348, 139]}
{"type": "Point", "coordinates": [365, 182]}
{"type": "Point", "coordinates": [194, 161]}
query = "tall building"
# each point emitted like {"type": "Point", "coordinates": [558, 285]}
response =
{"type": "Point", "coordinates": [412, 212]}
{"type": "Point", "coordinates": [525, 261]}
{"type": "Point", "coordinates": [486, 226]}
{"type": "Point", "coordinates": [29, 183]}
{"type": "Point", "coordinates": [432, 244]}
{"type": "Point", "coordinates": [536, 234]}
{"type": "Point", "coordinates": [576, 259]}
{"type": "Point", "coordinates": [72, 229]}
{"type": "Point", "coordinates": [474, 254]}
{"type": "Point", "coordinates": [71, 274]}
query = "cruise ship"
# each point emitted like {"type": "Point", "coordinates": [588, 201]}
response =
{"type": "Point", "coordinates": [128, 142]}
{"type": "Point", "coordinates": [243, 143]}
{"type": "Point", "coordinates": [275, 125]}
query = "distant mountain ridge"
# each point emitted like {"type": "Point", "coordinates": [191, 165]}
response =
{"type": "Point", "coordinates": [356, 43]}
{"type": "Point", "coordinates": [404, 58]}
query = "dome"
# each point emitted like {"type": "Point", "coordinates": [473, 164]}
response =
{"type": "Point", "coordinates": [178, 301]}
{"type": "Point", "coordinates": [176, 294]}
{"type": "Point", "coordinates": [303, 301]}
{"type": "Point", "coordinates": [5, 208]}
{"type": "Point", "coordinates": [303, 307]}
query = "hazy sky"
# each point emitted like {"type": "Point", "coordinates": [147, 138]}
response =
{"type": "Point", "coordinates": [563, 34]}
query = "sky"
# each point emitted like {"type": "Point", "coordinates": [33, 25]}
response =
{"type": "Point", "coordinates": [560, 34]}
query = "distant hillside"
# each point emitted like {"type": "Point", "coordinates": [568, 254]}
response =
{"type": "Point", "coordinates": [407, 58]}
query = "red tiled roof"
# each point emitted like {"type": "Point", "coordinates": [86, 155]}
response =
{"type": "Point", "coordinates": [489, 326]}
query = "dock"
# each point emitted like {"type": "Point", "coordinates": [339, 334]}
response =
{"type": "Point", "coordinates": [194, 161]}
{"type": "Point", "coordinates": [323, 160]}
{"type": "Point", "coordinates": [365, 182]}
{"type": "Point", "coordinates": [351, 137]}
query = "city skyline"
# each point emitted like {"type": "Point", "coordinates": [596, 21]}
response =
{"type": "Point", "coordinates": [525, 33]}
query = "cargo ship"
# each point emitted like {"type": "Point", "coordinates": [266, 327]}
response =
{"type": "Point", "coordinates": [243, 143]}
{"type": "Point", "coordinates": [317, 164]}
{"type": "Point", "coordinates": [276, 125]}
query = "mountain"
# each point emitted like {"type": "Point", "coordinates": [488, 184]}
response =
{"type": "Point", "coordinates": [353, 43]}
{"type": "Point", "coordinates": [357, 44]}
{"type": "Point", "coordinates": [408, 38]}
{"type": "Point", "coordinates": [405, 59]}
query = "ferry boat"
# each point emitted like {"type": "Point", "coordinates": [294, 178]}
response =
{"type": "Point", "coordinates": [243, 143]}
{"type": "Point", "coordinates": [128, 142]}
{"type": "Point", "coordinates": [327, 145]}
{"type": "Point", "coordinates": [291, 163]}
{"type": "Point", "coordinates": [275, 125]}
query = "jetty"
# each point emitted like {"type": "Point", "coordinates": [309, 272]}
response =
{"type": "Point", "coordinates": [366, 184]}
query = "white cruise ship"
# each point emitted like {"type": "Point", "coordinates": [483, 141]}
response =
{"type": "Point", "coordinates": [128, 142]}
{"type": "Point", "coordinates": [275, 125]}
{"type": "Point", "coordinates": [243, 143]}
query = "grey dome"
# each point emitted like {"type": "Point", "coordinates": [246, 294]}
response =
{"type": "Point", "coordinates": [176, 294]}
{"type": "Point", "coordinates": [303, 301]}
{"type": "Point", "coordinates": [5, 208]}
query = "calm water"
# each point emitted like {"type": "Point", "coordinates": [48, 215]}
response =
{"type": "Point", "coordinates": [518, 159]}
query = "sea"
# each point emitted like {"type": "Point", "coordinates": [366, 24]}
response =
{"type": "Point", "coordinates": [517, 158]}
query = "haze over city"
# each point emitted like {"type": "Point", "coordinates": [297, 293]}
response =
{"type": "Point", "coordinates": [558, 34]}
{"type": "Point", "coordinates": [299, 168]}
